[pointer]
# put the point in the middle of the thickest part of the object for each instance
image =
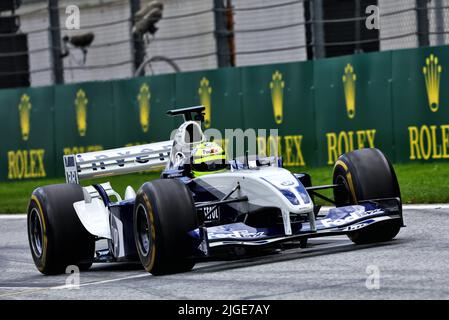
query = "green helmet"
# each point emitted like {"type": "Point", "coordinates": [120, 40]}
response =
{"type": "Point", "coordinates": [207, 158]}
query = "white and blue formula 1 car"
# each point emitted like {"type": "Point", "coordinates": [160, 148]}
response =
{"type": "Point", "coordinates": [197, 211]}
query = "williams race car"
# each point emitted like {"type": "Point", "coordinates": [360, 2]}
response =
{"type": "Point", "coordinates": [204, 206]}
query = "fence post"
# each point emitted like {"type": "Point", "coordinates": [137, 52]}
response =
{"type": "Point", "coordinates": [138, 50]}
{"type": "Point", "coordinates": [221, 35]}
{"type": "Point", "coordinates": [439, 22]}
{"type": "Point", "coordinates": [55, 41]}
{"type": "Point", "coordinates": [422, 22]}
{"type": "Point", "coordinates": [357, 25]}
{"type": "Point", "coordinates": [318, 29]}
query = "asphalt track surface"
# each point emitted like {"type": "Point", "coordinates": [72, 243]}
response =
{"type": "Point", "coordinates": [413, 266]}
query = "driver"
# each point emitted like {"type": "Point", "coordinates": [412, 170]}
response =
{"type": "Point", "coordinates": [207, 158]}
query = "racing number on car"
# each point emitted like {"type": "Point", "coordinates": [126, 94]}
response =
{"type": "Point", "coordinates": [71, 173]}
{"type": "Point", "coordinates": [71, 177]}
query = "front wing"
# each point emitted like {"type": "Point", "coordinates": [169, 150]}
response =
{"type": "Point", "coordinates": [337, 221]}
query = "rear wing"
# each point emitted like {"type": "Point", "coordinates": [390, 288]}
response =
{"type": "Point", "coordinates": [190, 113]}
{"type": "Point", "coordinates": [116, 161]}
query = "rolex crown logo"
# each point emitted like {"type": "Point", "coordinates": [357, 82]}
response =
{"type": "Point", "coordinates": [432, 74]}
{"type": "Point", "coordinates": [144, 106]}
{"type": "Point", "coordinates": [24, 114]}
{"type": "Point", "coordinates": [349, 78]}
{"type": "Point", "coordinates": [81, 102]}
{"type": "Point", "coordinates": [277, 96]}
{"type": "Point", "coordinates": [205, 92]}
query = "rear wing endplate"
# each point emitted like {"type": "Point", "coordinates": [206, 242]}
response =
{"type": "Point", "coordinates": [116, 161]}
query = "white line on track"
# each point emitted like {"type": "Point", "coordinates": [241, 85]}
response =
{"type": "Point", "coordinates": [426, 206]}
{"type": "Point", "coordinates": [70, 286]}
{"type": "Point", "coordinates": [11, 216]}
{"type": "Point", "coordinates": [414, 206]}
{"type": "Point", "coordinates": [22, 288]}
{"type": "Point", "coordinates": [29, 290]}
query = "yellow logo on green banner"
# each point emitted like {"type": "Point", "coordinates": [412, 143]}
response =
{"type": "Point", "coordinates": [81, 102]}
{"type": "Point", "coordinates": [24, 114]}
{"type": "Point", "coordinates": [432, 75]}
{"type": "Point", "coordinates": [144, 106]}
{"type": "Point", "coordinates": [277, 96]}
{"type": "Point", "coordinates": [205, 91]}
{"type": "Point", "coordinates": [349, 79]}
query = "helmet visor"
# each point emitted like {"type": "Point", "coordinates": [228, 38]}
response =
{"type": "Point", "coordinates": [209, 164]}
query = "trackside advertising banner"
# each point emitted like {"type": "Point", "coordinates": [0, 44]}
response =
{"type": "Point", "coordinates": [420, 99]}
{"type": "Point", "coordinates": [394, 101]}
{"type": "Point", "coordinates": [27, 134]}
{"type": "Point", "coordinates": [353, 105]}
{"type": "Point", "coordinates": [281, 97]}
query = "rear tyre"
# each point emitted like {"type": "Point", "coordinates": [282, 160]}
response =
{"type": "Point", "coordinates": [164, 213]}
{"type": "Point", "coordinates": [56, 236]}
{"type": "Point", "coordinates": [367, 174]}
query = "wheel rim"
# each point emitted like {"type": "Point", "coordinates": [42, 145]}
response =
{"type": "Point", "coordinates": [36, 232]}
{"type": "Point", "coordinates": [143, 230]}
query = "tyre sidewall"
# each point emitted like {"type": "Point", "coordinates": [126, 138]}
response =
{"type": "Point", "coordinates": [65, 240]}
{"type": "Point", "coordinates": [367, 175]}
{"type": "Point", "coordinates": [170, 215]}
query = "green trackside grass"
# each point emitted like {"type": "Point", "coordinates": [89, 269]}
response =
{"type": "Point", "coordinates": [420, 183]}
{"type": "Point", "coordinates": [14, 196]}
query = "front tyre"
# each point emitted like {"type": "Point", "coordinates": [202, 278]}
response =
{"type": "Point", "coordinates": [56, 236]}
{"type": "Point", "coordinates": [367, 174]}
{"type": "Point", "coordinates": [164, 213]}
